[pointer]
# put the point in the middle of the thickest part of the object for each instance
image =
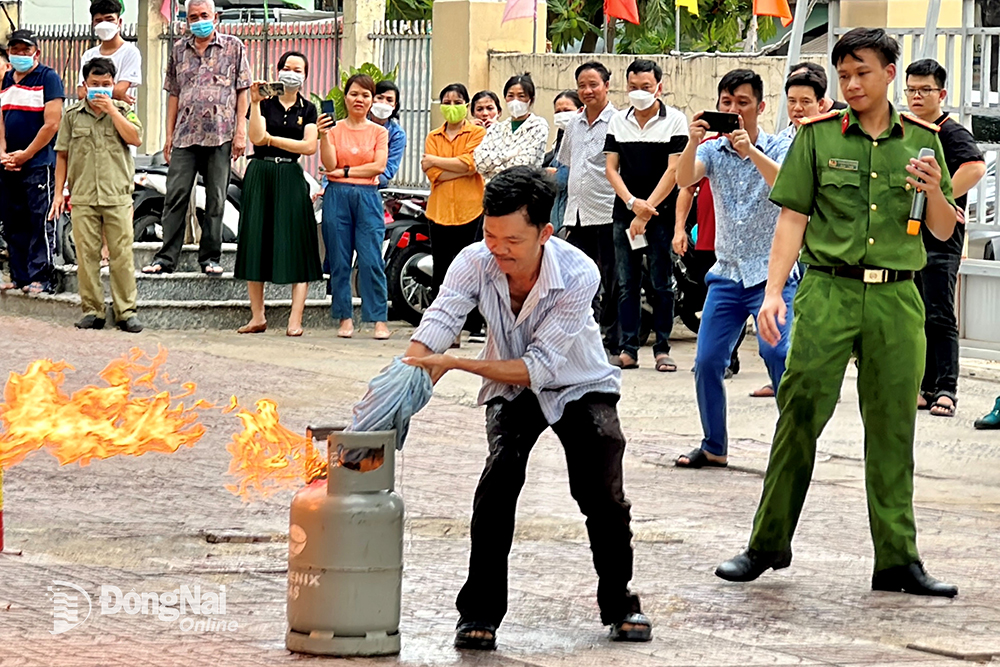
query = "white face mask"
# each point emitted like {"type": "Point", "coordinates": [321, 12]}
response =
{"type": "Point", "coordinates": [106, 31]}
{"type": "Point", "coordinates": [381, 110]}
{"type": "Point", "coordinates": [563, 118]}
{"type": "Point", "coordinates": [291, 79]}
{"type": "Point", "coordinates": [517, 108]}
{"type": "Point", "coordinates": [641, 99]}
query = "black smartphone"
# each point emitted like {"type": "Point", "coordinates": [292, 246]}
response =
{"type": "Point", "coordinates": [272, 89]}
{"type": "Point", "coordinates": [723, 123]}
{"type": "Point", "coordinates": [326, 106]}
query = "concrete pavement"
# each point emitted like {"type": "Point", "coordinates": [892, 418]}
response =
{"type": "Point", "coordinates": [159, 521]}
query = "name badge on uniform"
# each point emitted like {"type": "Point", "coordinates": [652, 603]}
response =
{"type": "Point", "coordinates": [845, 165]}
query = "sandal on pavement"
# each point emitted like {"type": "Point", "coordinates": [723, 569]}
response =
{"type": "Point", "coordinates": [465, 639]}
{"type": "Point", "coordinates": [642, 632]}
{"type": "Point", "coordinates": [252, 328]}
{"type": "Point", "coordinates": [767, 391]}
{"type": "Point", "coordinates": [697, 458]}
{"type": "Point", "coordinates": [344, 332]}
{"type": "Point", "coordinates": [213, 269]}
{"type": "Point", "coordinates": [939, 409]}
{"type": "Point", "coordinates": [928, 399]}
{"type": "Point", "coordinates": [665, 364]}
{"type": "Point", "coordinates": [382, 335]}
{"type": "Point", "coordinates": [156, 267]}
{"type": "Point", "coordinates": [34, 288]}
{"type": "Point", "coordinates": [293, 333]}
{"type": "Point", "coordinates": [620, 362]}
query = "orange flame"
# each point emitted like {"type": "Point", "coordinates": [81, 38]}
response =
{"type": "Point", "coordinates": [96, 422]}
{"type": "Point", "coordinates": [267, 457]}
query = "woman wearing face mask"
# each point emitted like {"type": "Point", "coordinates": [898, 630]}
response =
{"type": "Point", "coordinates": [354, 152]}
{"type": "Point", "coordinates": [455, 206]}
{"type": "Point", "coordinates": [519, 140]}
{"type": "Point", "coordinates": [105, 17]}
{"type": "Point", "coordinates": [278, 242]}
{"type": "Point", "coordinates": [485, 108]}
{"type": "Point", "coordinates": [566, 105]}
{"type": "Point", "coordinates": [385, 112]}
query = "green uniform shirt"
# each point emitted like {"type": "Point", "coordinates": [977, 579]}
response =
{"type": "Point", "coordinates": [100, 170]}
{"type": "Point", "coordinates": [854, 189]}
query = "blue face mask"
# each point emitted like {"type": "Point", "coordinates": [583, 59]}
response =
{"type": "Point", "coordinates": [93, 93]}
{"type": "Point", "coordinates": [22, 63]}
{"type": "Point", "coordinates": [202, 28]}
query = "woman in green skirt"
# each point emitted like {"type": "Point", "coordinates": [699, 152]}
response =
{"type": "Point", "coordinates": [278, 242]}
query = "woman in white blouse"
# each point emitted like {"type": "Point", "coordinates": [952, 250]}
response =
{"type": "Point", "coordinates": [521, 139]}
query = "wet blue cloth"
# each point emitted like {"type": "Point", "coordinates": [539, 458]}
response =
{"type": "Point", "coordinates": [393, 396]}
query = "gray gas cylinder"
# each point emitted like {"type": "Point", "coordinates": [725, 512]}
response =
{"type": "Point", "coordinates": [345, 558]}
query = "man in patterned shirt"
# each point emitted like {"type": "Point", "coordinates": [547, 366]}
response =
{"type": "Point", "coordinates": [208, 79]}
{"type": "Point", "coordinates": [543, 366]}
{"type": "Point", "coordinates": [741, 169]}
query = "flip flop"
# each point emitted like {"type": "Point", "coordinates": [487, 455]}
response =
{"type": "Point", "coordinates": [665, 364]}
{"type": "Point", "coordinates": [697, 459]}
{"type": "Point", "coordinates": [34, 289]}
{"type": "Point", "coordinates": [213, 269]}
{"type": "Point", "coordinates": [767, 391]}
{"type": "Point", "coordinates": [156, 268]}
{"type": "Point", "coordinates": [643, 633]}
{"type": "Point", "coordinates": [382, 335]}
{"type": "Point", "coordinates": [293, 333]}
{"type": "Point", "coordinates": [345, 333]}
{"type": "Point", "coordinates": [620, 363]}
{"type": "Point", "coordinates": [464, 638]}
{"type": "Point", "coordinates": [252, 328]}
{"type": "Point", "coordinates": [6, 287]}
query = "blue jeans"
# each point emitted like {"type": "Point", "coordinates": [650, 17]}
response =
{"type": "Point", "coordinates": [661, 296]}
{"type": "Point", "coordinates": [353, 221]}
{"type": "Point", "coordinates": [727, 307]}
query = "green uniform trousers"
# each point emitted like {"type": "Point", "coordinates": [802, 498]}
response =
{"type": "Point", "coordinates": [883, 325]}
{"type": "Point", "coordinates": [116, 224]}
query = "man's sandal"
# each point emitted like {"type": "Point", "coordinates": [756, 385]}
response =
{"type": "Point", "coordinates": [939, 409]}
{"type": "Point", "coordinates": [156, 267]}
{"type": "Point", "coordinates": [665, 364]}
{"type": "Point", "coordinates": [464, 638]}
{"type": "Point", "coordinates": [642, 632]}
{"type": "Point", "coordinates": [697, 458]}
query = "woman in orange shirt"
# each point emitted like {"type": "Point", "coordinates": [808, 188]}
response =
{"type": "Point", "coordinates": [354, 152]}
{"type": "Point", "coordinates": [455, 207]}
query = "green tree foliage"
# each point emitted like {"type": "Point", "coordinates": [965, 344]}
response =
{"type": "Point", "coordinates": [337, 94]}
{"type": "Point", "coordinates": [408, 10]}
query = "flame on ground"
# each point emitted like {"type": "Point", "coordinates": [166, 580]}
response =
{"type": "Point", "coordinates": [129, 417]}
{"type": "Point", "coordinates": [267, 457]}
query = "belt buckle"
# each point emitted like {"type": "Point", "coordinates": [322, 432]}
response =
{"type": "Point", "coordinates": [876, 276]}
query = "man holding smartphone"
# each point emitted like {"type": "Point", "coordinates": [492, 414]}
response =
{"type": "Point", "coordinates": [846, 189]}
{"type": "Point", "coordinates": [741, 167]}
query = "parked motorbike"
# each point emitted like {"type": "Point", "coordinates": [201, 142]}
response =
{"type": "Point", "coordinates": [409, 267]}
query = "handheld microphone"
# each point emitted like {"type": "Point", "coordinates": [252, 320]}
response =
{"type": "Point", "coordinates": [918, 209]}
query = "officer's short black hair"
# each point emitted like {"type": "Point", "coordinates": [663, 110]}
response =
{"type": "Point", "coordinates": [106, 7]}
{"type": "Point", "coordinates": [859, 39]}
{"type": "Point", "coordinates": [807, 79]}
{"type": "Point", "coordinates": [597, 67]}
{"type": "Point", "coordinates": [521, 188]}
{"type": "Point", "coordinates": [741, 77]}
{"type": "Point", "coordinates": [928, 67]}
{"type": "Point", "coordinates": [815, 69]}
{"type": "Point", "coordinates": [100, 67]}
{"type": "Point", "coordinates": [640, 65]}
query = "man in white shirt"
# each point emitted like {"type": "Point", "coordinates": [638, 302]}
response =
{"type": "Point", "coordinates": [106, 20]}
{"type": "Point", "coordinates": [542, 366]}
{"type": "Point", "coordinates": [590, 197]}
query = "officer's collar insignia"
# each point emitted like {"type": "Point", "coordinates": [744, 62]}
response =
{"type": "Point", "coordinates": [919, 121]}
{"type": "Point", "coordinates": [844, 165]}
{"type": "Point", "coordinates": [823, 116]}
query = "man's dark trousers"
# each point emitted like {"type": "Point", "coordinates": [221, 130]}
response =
{"type": "Point", "coordinates": [659, 235]}
{"type": "Point", "coordinates": [937, 281]}
{"type": "Point", "coordinates": [31, 236]}
{"type": "Point", "coordinates": [213, 163]}
{"type": "Point", "coordinates": [598, 243]}
{"type": "Point", "coordinates": [592, 439]}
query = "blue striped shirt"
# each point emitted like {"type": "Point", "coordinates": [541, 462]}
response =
{"type": "Point", "coordinates": [554, 334]}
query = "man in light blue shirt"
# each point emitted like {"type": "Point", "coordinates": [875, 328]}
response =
{"type": "Point", "coordinates": [741, 169]}
{"type": "Point", "coordinates": [543, 365]}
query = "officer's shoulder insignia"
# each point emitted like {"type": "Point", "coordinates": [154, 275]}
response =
{"type": "Point", "coordinates": [131, 117]}
{"type": "Point", "coordinates": [923, 123]}
{"type": "Point", "coordinates": [823, 116]}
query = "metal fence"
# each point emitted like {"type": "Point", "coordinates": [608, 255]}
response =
{"type": "Point", "coordinates": [406, 45]}
{"type": "Point", "coordinates": [62, 48]}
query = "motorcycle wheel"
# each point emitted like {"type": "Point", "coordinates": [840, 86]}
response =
{"type": "Point", "coordinates": [409, 296]}
{"type": "Point", "coordinates": [144, 228]}
{"type": "Point", "coordinates": [66, 245]}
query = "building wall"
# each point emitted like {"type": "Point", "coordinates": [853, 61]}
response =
{"type": "Point", "coordinates": [60, 12]}
{"type": "Point", "coordinates": [690, 84]}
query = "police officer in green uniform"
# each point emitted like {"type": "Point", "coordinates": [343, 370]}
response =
{"type": "Point", "coordinates": [846, 188]}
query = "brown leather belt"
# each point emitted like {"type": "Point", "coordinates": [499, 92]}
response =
{"type": "Point", "coordinates": [866, 274]}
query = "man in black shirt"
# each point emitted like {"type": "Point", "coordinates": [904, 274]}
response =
{"type": "Point", "coordinates": [827, 103]}
{"type": "Point", "coordinates": [925, 92]}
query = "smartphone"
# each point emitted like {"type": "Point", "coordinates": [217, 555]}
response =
{"type": "Point", "coordinates": [272, 89]}
{"type": "Point", "coordinates": [723, 123]}
{"type": "Point", "coordinates": [326, 106]}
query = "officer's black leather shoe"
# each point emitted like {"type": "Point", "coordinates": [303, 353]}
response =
{"type": "Point", "coordinates": [913, 579]}
{"type": "Point", "coordinates": [752, 563]}
{"type": "Point", "coordinates": [91, 322]}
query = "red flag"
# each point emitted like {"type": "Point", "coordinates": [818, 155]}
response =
{"type": "Point", "coordinates": [777, 8]}
{"type": "Point", "coordinates": [622, 9]}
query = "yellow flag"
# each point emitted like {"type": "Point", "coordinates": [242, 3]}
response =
{"type": "Point", "coordinates": [690, 5]}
